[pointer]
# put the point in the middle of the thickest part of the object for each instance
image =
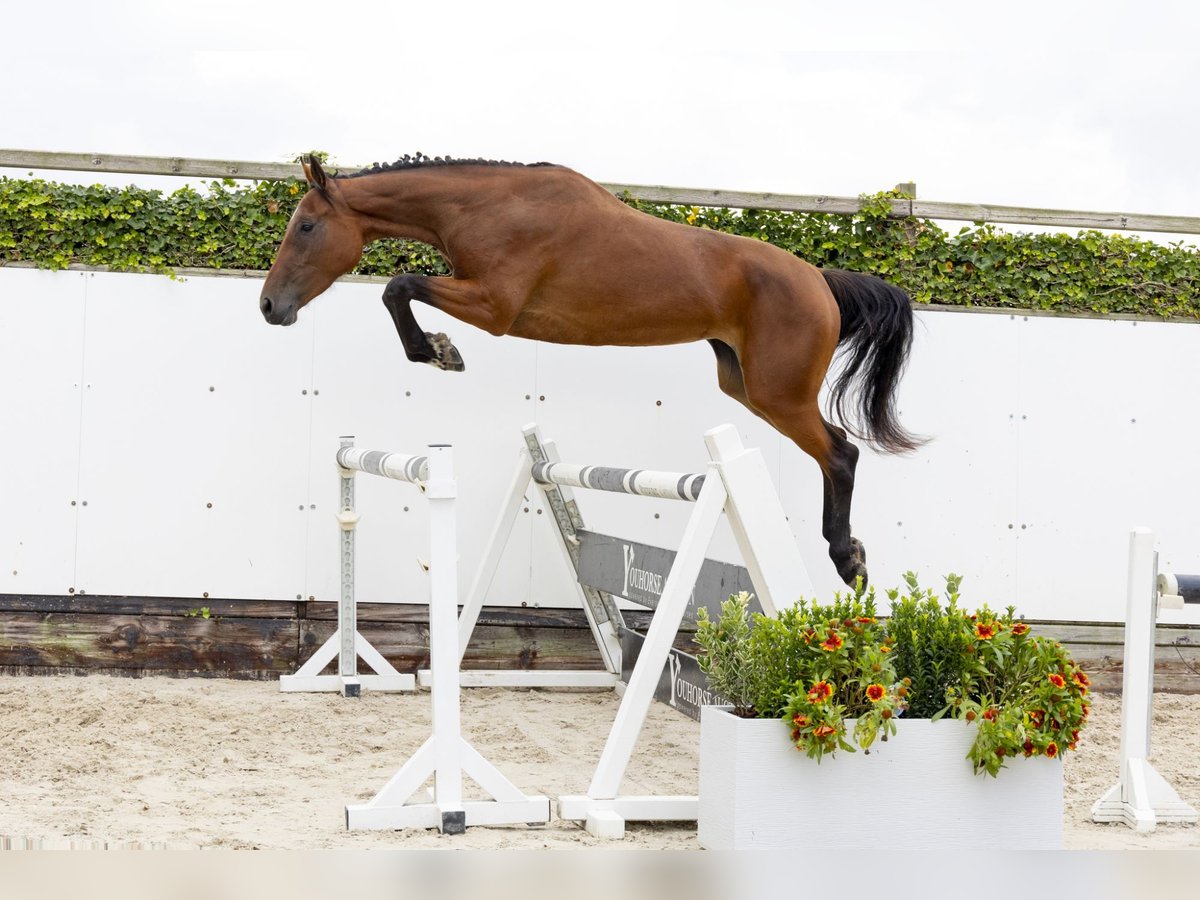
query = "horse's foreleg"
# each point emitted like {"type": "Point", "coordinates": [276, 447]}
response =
{"type": "Point", "coordinates": [419, 345]}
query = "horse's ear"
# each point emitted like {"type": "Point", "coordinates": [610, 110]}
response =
{"type": "Point", "coordinates": [313, 173]}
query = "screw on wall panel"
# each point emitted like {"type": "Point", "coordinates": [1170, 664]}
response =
{"type": "Point", "coordinates": [70, 590]}
{"type": "Point", "coordinates": [72, 502]}
{"type": "Point", "coordinates": [304, 393]}
{"type": "Point", "coordinates": [658, 403]}
{"type": "Point", "coordinates": [1023, 527]}
{"type": "Point", "coordinates": [299, 597]}
{"type": "Point", "coordinates": [312, 506]}
{"type": "Point", "coordinates": [208, 505]}
{"type": "Point", "coordinates": [1010, 526]}
{"type": "Point", "coordinates": [656, 515]}
{"type": "Point", "coordinates": [311, 598]}
{"type": "Point", "coordinates": [211, 388]}
{"type": "Point", "coordinates": [84, 503]}
{"type": "Point", "coordinates": [406, 509]}
{"type": "Point", "coordinates": [542, 397]}
{"type": "Point", "coordinates": [539, 512]}
{"type": "Point", "coordinates": [409, 394]}
{"type": "Point", "coordinates": [528, 397]}
{"type": "Point", "coordinates": [206, 595]}
{"type": "Point", "coordinates": [316, 393]}
{"type": "Point", "coordinates": [301, 507]}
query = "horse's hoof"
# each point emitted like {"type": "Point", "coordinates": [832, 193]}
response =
{"type": "Point", "coordinates": [446, 355]}
{"type": "Point", "coordinates": [854, 567]}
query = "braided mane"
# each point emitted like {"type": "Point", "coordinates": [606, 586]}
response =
{"type": "Point", "coordinates": [421, 161]}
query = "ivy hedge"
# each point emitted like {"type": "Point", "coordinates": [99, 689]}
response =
{"type": "Point", "coordinates": [238, 226]}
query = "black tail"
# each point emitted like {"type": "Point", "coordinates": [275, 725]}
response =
{"type": "Point", "coordinates": [877, 326]}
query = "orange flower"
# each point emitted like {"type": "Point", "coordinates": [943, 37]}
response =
{"type": "Point", "coordinates": [1082, 680]}
{"type": "Point", "coordinates": [985, 632]}
{"type": "Point", "coordinates": [820, 692]}
{"type": "Point", "coordinates": [809, 634]}
{"type": "Point", "coordinates": [1020, 628]}
{"type": "Point", "coordinates": [800, 720]}
{"type": "Point", "coordinates": [866, 620]}
{"type": "Point", "coordinates": [832, 643]}
{"type": "Point", "coordinates": [1057, 680]}
{"type": "Point", "coordinates": [970, 717]}
{"type": "Point", "coordinates": [1037, 717]}
{"type": "Point", "coordinates": [824, 731]}
{"type": "Point", "coordinates": [1086, 709]}
{"type": "Point", "coordinates": [1052, 749]}
{"type": "Point", "coordinates": [875, 692]}
{"type": "Point", "coordinates": [1029, 748]}
{"type": "Point", "coordinates": [991, 714]}
{"type": "Point", "coordinates": [885, 649]}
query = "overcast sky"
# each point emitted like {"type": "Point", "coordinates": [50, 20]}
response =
{"type": "Point", "coordinates": [1055, 104]}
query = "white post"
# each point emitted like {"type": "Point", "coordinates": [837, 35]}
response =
{"type": "Point", "coordinates": [346, 644]}
{"type": "Point", "coordinates": [443, 637]}
{"type": "Point", "coordinates": [446, 755]}
{"type": "Point", "coordinates": [1141, 798]}
{"type": "Point", "coordinates": [347, 611]}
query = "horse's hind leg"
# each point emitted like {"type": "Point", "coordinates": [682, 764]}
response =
{"type": "Point", "coordinates": [790, 406]}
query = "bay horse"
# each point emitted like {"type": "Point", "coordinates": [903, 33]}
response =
{"type": "Point", "coordinates": [541, 252]}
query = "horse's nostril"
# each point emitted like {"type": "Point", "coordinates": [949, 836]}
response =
{"type": "Point", "coordinates": [265, 305]}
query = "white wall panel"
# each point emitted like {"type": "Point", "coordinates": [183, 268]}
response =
{"type": "Point", "coordinates": [190, 400]}
{"type": "Point", "coordinates": [41, 369]}
{"type": "Point", "coordinates": [1051, 438]}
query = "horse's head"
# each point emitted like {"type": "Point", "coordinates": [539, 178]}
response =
{"type": "Point", "coordinates": [323, 241]}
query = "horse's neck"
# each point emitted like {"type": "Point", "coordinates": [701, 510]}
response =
{"type": "Point", "coordinates": [407, 204]}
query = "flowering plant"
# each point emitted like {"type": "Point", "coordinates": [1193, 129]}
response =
{"type": "Point", "coordinates": [1024, 692]}
{"type": "Point", "coordinates": [838, 676]}
{"type": "Point", "coordinates": [815, 667]}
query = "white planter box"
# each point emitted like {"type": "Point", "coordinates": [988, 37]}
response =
{"type": "Point", "coordinates": [917, 791]}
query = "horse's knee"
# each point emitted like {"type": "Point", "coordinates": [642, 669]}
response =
{"type": "Point", "coordinates": [402, 287]}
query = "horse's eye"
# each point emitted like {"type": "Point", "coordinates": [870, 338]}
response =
{"type": "Point", "coordinates": [306, 226]}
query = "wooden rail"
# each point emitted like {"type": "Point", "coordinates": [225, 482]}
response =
{"type": "Point", "coordinates": [808, 203]}
{"type": "Point", "coordinates": [43, 635]}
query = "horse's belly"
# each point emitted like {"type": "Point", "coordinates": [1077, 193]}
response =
{"type": "Point", "coordinates": [607, 325]}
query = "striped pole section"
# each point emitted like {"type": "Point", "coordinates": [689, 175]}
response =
{"type": "Point", "coordinates": [641, 482]}
{"type": "Point", "coordinates": [398, 466]}
{"type": "Point", "coordinates": [1186, 587]}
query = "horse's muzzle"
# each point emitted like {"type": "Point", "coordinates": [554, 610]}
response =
{"type": "Point", "coordinates": [277, 313]}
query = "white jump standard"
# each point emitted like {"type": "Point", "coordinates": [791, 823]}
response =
{"type": "Point", "coordinates": [1142, 798]}
{"type": "Point", "coordinates": [737, 483]}
{"type": "Point", "coordinates": [446, 755]}
{"type": "Point", "coordinates": [346, 643]}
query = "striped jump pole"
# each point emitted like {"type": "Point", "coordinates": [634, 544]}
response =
{"type": "Point", "coordinates": [1142, 798]}
{"type": "Point", "coordinates": [346, 643]}
{"type": "Point", "coordinates": [639, 482]}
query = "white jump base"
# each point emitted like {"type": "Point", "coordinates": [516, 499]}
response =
{"type": "Point", "coordinates": [1142, 798]}
{"type": "Point", "coordinates": [346, 645]}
